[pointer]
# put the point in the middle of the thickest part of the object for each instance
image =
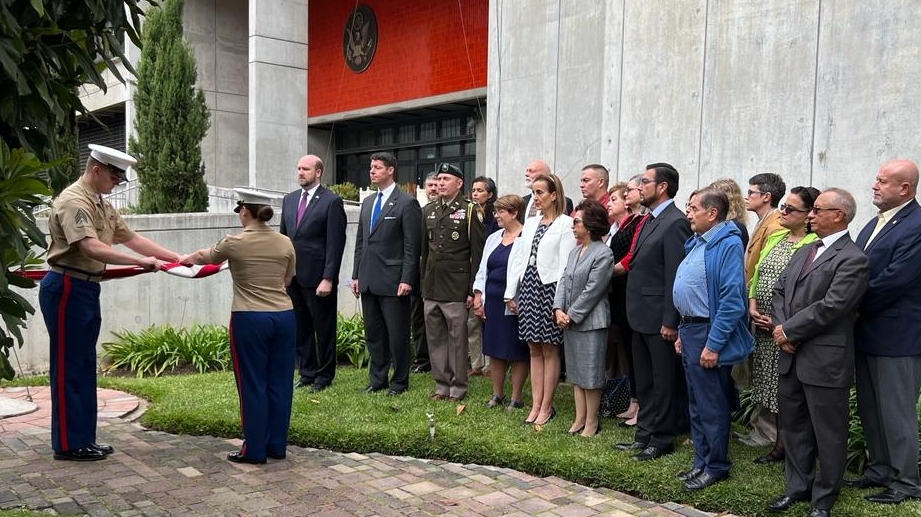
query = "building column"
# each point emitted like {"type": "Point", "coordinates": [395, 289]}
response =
{"type": "Point", "coordinates": [277, 91]}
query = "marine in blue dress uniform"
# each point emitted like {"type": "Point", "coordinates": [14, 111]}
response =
{"type": "Point", "coordinates": [83, 226]}
{"type": "Point", "coordinates": [262, 326]}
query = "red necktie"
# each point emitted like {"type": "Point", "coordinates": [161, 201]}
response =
{"type": "Point", "coordinates": [810, 258]}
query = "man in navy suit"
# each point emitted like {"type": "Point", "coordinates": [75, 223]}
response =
{"type": "Point", "coordinates": [314, 219]}
{"type": "Point", "coordinates": [387, 251]}
{"type": "Point", "coordinates": [888, 337]}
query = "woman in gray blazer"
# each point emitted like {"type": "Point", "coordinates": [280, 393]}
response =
{"type": "Point", "coordinates": [581, 309]}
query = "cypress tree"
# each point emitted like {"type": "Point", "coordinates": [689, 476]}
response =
{"type": "Point", "coordinates": [171, 118]}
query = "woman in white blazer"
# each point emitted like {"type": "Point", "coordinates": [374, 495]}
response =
{"type": "Point", "coordinates": [536, 262]}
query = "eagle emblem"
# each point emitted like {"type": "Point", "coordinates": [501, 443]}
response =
{"type": "Point", "coordinates": [360, 38]}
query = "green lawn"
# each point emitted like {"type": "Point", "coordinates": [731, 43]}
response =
{"type": "Point", "coordinates": [344, 418]}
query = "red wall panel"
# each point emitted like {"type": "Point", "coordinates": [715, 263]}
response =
{"type": "Point", "coordinates": [422, 50]}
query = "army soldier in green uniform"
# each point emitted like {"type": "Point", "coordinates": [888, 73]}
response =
{"type": "Point", "coordinates": [452, 244]}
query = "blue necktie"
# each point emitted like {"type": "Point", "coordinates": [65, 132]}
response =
{"type": "Point", "coordinates": [377, 209]}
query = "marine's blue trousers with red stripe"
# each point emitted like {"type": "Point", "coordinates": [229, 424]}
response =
{"type": "Point", "coordinates": [70, 308]}
{"type": "Point", "coordinates": [262, 348]}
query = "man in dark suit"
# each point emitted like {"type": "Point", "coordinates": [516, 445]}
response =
{"type": "Point", "coordinates": [387, 250]}
{"type": "Point", "coordinates": [887, 337]}
{"type": "Point", "coordinates": [813, 311]}
{"type": "Point", "coordinates": [314, 219]}
{"type": "Point", "coordinates": [658, 250]}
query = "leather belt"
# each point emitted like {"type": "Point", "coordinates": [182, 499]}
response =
{"type": "Point", "coordinates": [690, 320]}
{"type": "Point", "coordinates": [79, 275]}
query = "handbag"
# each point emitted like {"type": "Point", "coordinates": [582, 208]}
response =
{"type": "Point", "coordinates": [615, 398]}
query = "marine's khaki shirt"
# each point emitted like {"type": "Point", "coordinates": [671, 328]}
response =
{"type": "Point", "coordinates": [261, 261]}
{"type": "Point", "coordinates": [77, 213]}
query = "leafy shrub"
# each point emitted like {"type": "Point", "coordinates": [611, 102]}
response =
{"type": "Point", "coordinates": [347, 191]}
{"type": "Point", "coordinates": [160, 347]}
{"type": "Point", "coordinates": [350, 341]}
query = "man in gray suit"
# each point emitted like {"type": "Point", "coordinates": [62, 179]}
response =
{"type": "Point", "coordinates": [813, 311]}
{"type": "Point", "coordinates": [658, 250]}
{"type": "Point", "coordinates": [386, 270]}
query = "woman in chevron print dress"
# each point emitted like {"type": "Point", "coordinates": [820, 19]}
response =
{"type": "Point", "coordinates": [537, 261]}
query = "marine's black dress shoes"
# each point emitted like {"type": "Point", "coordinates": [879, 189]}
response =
{"type": "Point", "coordinates": [236, 457]}
{"type": "Point", "coordinates": [688, 474]}
{"type": "Point", "coordinates": [652, 452]}
{"type": "Point", "coordinates": [888, 496]}
{"type": "Point", "coordinates": [819, 512]}
{"type": "Point", "coordinates": [302, 384]}
{"type": "Point", "coordinates": [373, 389]}
{"type": "Point", "coordinates": [784, 502]}
{"type": "Point", "coordinates": [81, 454]}
{"type": "Point", "coordinates": [103, 448]}
{"type": "Point", "coordinates": [703, 480]}
{"type": "Point", "coordinates": [317, 388]}
{"type": "Point", "coordinates": [624, 446]}
{"type": "Point", "coordinates": [395, 393]}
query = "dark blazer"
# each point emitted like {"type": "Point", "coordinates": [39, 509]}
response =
{"type": "Point", "coordinates": [659, 249]}
{"type": "Point", "coordinates": [817, 313]}
{"type": "Point", "coordinates": [320, 238]}
{"type": "Point", "coordinates": [892, 302]}
{"type": "Point", "coordinates": [388, 255]}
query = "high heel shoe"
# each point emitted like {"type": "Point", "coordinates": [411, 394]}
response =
{"type": "Point", "coordinates": [549, 418]}
{"type": "Point", "coordinates": [597, 430]}
{"type": "Point", "coordinates": [577, 431]}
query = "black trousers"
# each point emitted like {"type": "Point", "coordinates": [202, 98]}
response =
{"type": "Point", "coordinates": [661, 390]}
{"type": "Point", "coordinates": [387, 320]}
{"type": "Point", "coordinates": [315, 317]}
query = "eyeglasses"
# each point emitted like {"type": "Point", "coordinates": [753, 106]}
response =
{"type": "Point", "coordinates": [755, 192]}
{"type": "Point", "coordinates": [647, 181]}
{"type": "Point", "coordinates": [786, 209]}
{"type": "Point", "coordinates": [818, 209]}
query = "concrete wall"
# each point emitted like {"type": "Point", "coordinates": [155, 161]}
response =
{"type": "Point", "coordinates": [277, 91]}
{"type": "Point", "coordinates": [138, 302]}
{"type": "Point", "coordinates": [818, 92]}
{"type": "Point", "coordinates": [217, 31]}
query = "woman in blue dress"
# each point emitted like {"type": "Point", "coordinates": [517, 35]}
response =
{"type": "Point", "coordinates": [500, 327]}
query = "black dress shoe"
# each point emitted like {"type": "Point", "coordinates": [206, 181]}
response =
{"type": "Point", "coordinates": [81, 454]}
{"type": "Point", "coordinates": [303, 384]}
{"type": "Point", "coordinates": [771, 457]}
{"type": "Point", "coordinates": [862, 482]}
{"type": "Point", "coordinates": [703, 480]}
{"type": "Point", "coordinates": [624, 446]}
{"type": "Point", "coordinates": [103, 448]}
{"type": "Point", "coordinates": [236, 457]}
{"type": "Point", "coordinates": [819, 512]}
{"type": "Point", "coordinates": [688, 474]}
{"type": "Point", "coordinates": [317, 388]}
{"type": "Point", "coordinates": [395, 393]}
{"type": "Point", "coordinates": [652, 452]}
{"type": "Point", "coordinates": [888, 496]}
{"type": "Point", "coordinates": [418, 368]}
{"type": "Point", "coordinates": [277, 456]}
{"type": "Point", "coordinates": [783, 503]}
{"type": "Point", "coordinates": [372, 389]}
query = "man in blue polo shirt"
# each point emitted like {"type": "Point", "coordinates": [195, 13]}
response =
{"type": "Point", "coordinates": [709, 293]}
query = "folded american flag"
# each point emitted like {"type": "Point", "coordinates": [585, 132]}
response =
{"type": "Point", "coordinates": [173, 268]}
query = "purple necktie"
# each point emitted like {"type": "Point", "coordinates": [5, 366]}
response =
{"type": "Point", "coordinates": [301, 208]}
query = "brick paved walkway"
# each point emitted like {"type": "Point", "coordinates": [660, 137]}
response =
{"type": "Point", "coordinates": [154, 473]}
